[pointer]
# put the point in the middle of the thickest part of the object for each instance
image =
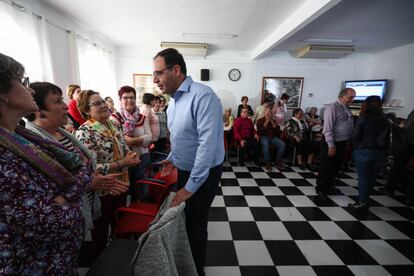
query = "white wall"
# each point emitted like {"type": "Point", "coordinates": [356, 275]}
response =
{"type": "Point", "coordinates": [397, 65]}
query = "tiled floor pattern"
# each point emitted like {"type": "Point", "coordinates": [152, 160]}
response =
{"type": "Point", "coordinates": [272, 223]}
{"type": "Point", "coordinates": [265, 223]}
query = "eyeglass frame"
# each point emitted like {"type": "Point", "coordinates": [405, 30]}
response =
{"type": "Point", "coordinates": [157, 74]}
{"type": "Point", "coordinates": [25, 81]}
{"type": "Point", "coordinates": [97, 103]}
{"type": "Point", "coordinates": [132, 98]}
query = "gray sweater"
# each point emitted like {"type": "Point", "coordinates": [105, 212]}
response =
{"type": "Point", "coordinates": [164, 249]}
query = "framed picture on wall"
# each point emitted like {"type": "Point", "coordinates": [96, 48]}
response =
{"type": "Point", "coordinates": [274, 87]}
{"type": "Point", "coordinates": [143, 83]}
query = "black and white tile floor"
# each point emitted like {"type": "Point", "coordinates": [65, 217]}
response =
{"type": "Point", "coordinates": [265, 223]}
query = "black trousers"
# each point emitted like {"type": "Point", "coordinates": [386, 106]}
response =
{"type": "Point", "coordinates": [329, 166]}
{"type": "Point", "coordinates": [252, 148]}
{"type": "Point", "coordinates": [196, 213]}
{"type": "Point", "coordinates": [396, 175]}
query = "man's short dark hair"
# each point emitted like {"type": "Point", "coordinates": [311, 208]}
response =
{"type": "Point", "coordinates": [173, 57]}
{"type": "Point", "coordinates": [42, 89]}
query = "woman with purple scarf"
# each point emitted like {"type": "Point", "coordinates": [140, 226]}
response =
{"type": "Point", "coordinates": [137, 134]}
{"type": "Point", "coordinates": [41, 186]}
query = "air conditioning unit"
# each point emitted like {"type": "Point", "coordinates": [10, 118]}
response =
{"type": "Point", "coordinates": [187, 49]}
{"type": "Point", "coordinates": [321, 51]}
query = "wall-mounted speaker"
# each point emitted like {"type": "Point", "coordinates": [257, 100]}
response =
{"type": "Point", "coordinates": [205, 75]}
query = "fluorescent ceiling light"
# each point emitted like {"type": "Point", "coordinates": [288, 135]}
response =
{"type": "Point", "coordinates": [209, 35]}
{"type": "Point", "coordinates": [328, 40]}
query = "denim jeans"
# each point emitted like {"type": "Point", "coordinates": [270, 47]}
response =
{"type": "Point", "coordinates": [368, 163]}
{"type": "Point", "coordinates": [280, 147]}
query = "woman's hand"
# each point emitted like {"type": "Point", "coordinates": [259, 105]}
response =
{"type": "Point", "coordinates": [131, 159]}
{"type": "Point", "coordinates": [110, 183]}
{"type": "Point", "coordinates": [59, 200]}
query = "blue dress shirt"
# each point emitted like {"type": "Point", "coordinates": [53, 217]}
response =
{"type": "Point", "coordinates": [196, 131]}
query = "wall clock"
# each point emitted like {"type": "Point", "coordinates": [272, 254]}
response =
{"type": "Point", "coordinates": [234, 74]}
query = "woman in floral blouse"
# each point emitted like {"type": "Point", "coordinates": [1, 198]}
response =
{"type": "Point", "coordinates": [41, 186]}
{"type": "Point", "coordinates": [112, 155]}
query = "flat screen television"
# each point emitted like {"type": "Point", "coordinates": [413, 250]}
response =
{"type": "Point", "coordinates": [366, 88]}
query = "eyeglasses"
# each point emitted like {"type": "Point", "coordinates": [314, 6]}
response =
{"type": "Point", "coordinates": [97, 103]}
{"type": "Point", "coordinates": [128, 98]}
{"type": "Point", "coordinates": [159, 73]}
{"type": "Point", "coordinates": [25, 82]}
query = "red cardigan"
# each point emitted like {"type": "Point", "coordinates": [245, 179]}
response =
{"type": "Point", "coordinates": [74, 112]}
{"type": "Point", "coordinates": [243, 128]}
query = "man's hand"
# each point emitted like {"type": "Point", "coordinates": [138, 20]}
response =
{"type": "Point", "coordinates": [180, 196]}
{"type": "Point", "coordinates": [331, 151]}
{"type": "Point", "coordinates": [256, 137]}
{"type": "Point", "coordinates": [167, 167]}
{"type": "Point", "coordinates": [243, 143]}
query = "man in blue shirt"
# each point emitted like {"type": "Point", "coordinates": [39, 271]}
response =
{"type": "Point", "coordinates": [197, 146]}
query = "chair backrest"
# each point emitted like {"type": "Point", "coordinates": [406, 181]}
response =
{"type": "Point", "coordinates": [169, 179]}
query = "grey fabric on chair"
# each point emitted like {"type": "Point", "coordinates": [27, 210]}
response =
{"type": "Point", "coordinates": [164, 249]}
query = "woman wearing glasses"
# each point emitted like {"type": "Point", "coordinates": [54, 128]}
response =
{"type": "Point", "coordinates": [137, 134]}
{"type": "Point", "coordinates": [107, 144]}
{"type": "Point", "coordinates": [41, 186]}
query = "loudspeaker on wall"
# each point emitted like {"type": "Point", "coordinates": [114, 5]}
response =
{"type": "Point", "coordinates": [205, 75]}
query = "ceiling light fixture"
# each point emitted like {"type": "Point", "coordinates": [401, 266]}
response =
{"type": "Point", "coordinates": [209, 35]}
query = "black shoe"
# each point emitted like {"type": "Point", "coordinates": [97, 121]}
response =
{"type": "Point", "coordinates": [302, 167]}
{"type": "Point", "coordinates": [322, 195]}
{"type": "Point", "coordinates": [385, 191]}
{"type": "Point", "coordinates": [358, 206]}
{"type": "Point", "coordinates": [333, 190]}
{"type": "Point", "coordinates": [312, 167]}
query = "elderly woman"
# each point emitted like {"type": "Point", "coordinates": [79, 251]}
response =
{"type": "Point", "coordinates": [75, 117]}
{"type": "Point", "coordinates": [107, 144]}
{"type": "Point", "coordinates": [47, 123]}
{"type": "Point", "coordinates": [111, 105]}
{"type": "Point", "coordinates": [148, 101]}
{"type": "Point", "coordinates": [136, 131]}
{"type": "Point", "coordinates": [298, 131]}
{"type": "Point", "coordinates": [228, 119]}
{"type": "Point", "coordinates": [244, 100]}
{"type": "Point", "coordinates": [41, 186]}
{"type": "Point", "coordinates": [161, 144]}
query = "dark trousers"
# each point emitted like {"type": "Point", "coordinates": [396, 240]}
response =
{"type": "Point", "coordinates": [329, 166]}
{"type": "Point", "coordinates": [100, 229]}
{"type": "Point", "coordinates": [252, 147]}
{"type": "Point", "coordinates": [396, 174]}
{"type": "Point", "coordinates": [136, 173]}
{"type": "Point", "coordinates": [196, 214]}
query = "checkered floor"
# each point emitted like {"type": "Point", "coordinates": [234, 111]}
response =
{"type": "Point", "coordinates": [265, 223]}
{"type": "Point", "coordinates": [273, 223]}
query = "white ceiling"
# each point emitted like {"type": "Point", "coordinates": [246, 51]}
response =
{"type": "Point", "coordinates": [259, 25]}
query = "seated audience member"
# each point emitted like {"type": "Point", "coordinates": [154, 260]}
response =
{"type": "Point", "coordinates": [75, 117]}
{"type": "Point", "coordinates": [110, 103]}
{"type": "Point", "coordinates": [244, 104]}
{"type": "Point", "coordinates": [228, 119]}
{"type": "Point", "coordinates": [99, 135]}
{"type": "Point", "coordinates": [41, 188]}
{"type": "Point", "coordinates": [246, 135]}
{"type": "Point", "coordinates": [269, 132]}
{"type": "Point", "coordinates": [137, 134]}
{"type": "Point", "coordinates": [371, 139]}
{"type": "Point", "coordinates": [161, 144]}
{"type": "Point", "coordinates": [279, 109]}
{"type": "Point", "coordinates": [148, 101]}
{"type": "Point", "coordinates": [260, 110]}
{"type": "Point", "coordinates": [47, 123]}
{"type": "Point", "coordinates": [299, 132]}
{"type": "Point", "coordinates": [315, 124]}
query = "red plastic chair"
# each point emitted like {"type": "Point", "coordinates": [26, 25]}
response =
{"type": "Point", "coordinates": [135, 218]}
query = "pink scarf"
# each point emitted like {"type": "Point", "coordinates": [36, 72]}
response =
{"type": "Point", "coordinates": [130, 120]}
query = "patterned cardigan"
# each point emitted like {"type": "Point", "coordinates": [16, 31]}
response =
{"type": "Point", "coordinates": [293, 129]}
